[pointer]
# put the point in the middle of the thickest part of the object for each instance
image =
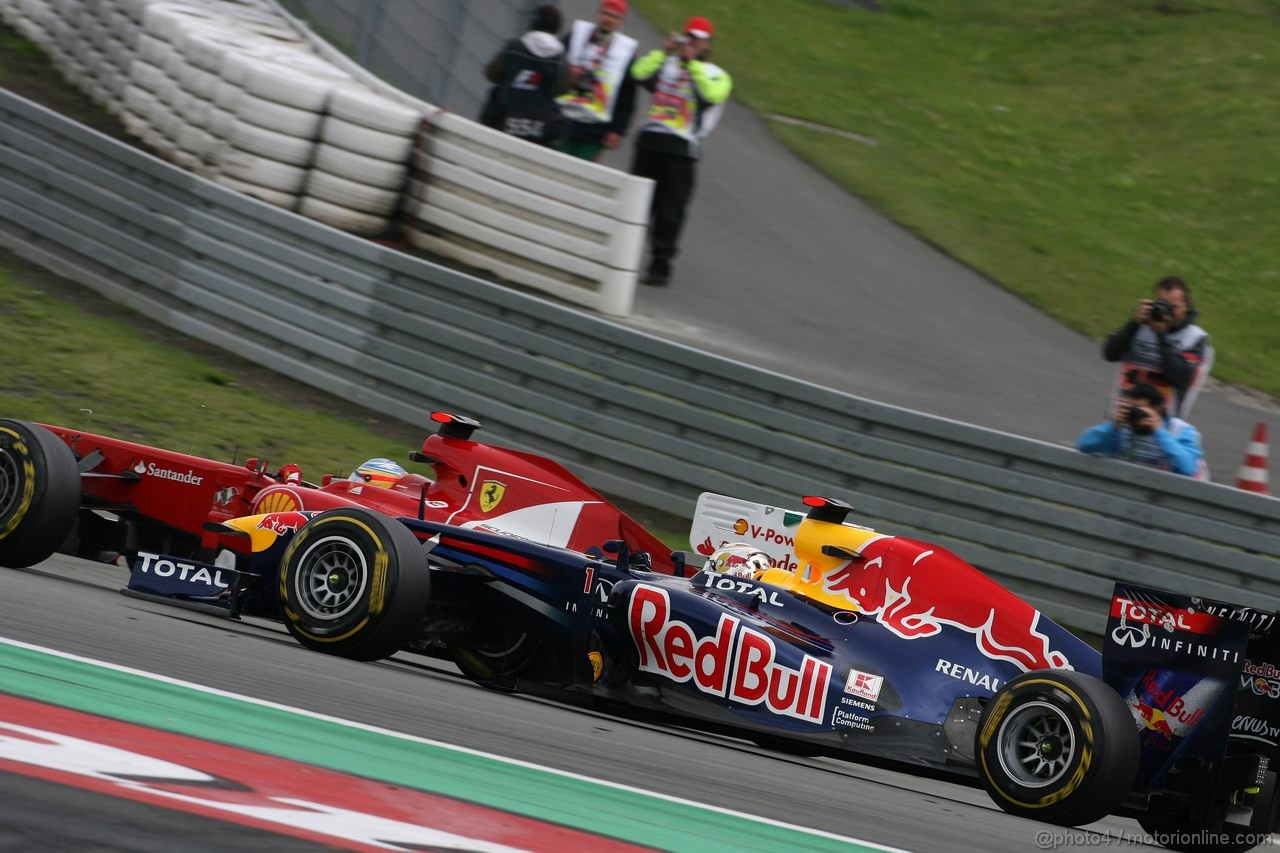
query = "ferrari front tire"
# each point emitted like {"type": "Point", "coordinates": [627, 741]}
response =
{"type": "Point", "coordinates": [354, 583]}
{"type": "Point", "coordinates": [1058, 746]}
{"type": "Point", "coordinates": [39, 493]}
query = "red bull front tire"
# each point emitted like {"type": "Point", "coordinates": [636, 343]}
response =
{"type": "Point", "coordinates": [1057, 746]}
{"type": "Point", "coordinates": [39, 493]}
{"type": "Point", "coordinates": [354, 583]}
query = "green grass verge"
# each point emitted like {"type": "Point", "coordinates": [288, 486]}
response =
{"type": "Point", "coordinates": [61, 360]}
{"type": "Point", "coordinates": [68, 351]}
{"type": "Point", "coordinates": [1072, 150]}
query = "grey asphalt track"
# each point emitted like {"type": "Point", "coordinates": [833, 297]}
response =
{"type": "Point", "coordinates": [73, 606]}
{"type": "Point", "coordinates": [783, 269]}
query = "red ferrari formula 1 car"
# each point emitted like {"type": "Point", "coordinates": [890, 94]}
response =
{"type": "Point", "coordinates": [846, 641]}
{"type": "Point", "coordinates": [98, 495]}
{"type": "Point", "coordinates": [70, 491]}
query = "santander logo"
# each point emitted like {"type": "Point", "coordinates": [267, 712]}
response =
{"type": "Point", "coordinates": [736, 662]}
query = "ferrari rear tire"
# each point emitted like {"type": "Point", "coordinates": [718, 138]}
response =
{"type": "Point", "coordinates": [39, 493]}
{"type": "Point", "coordinates": [354, 583]}
{"type": "Point", "coordinates": [1058, 746]}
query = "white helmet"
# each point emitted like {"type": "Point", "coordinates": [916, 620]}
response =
{"type": "Point", "coordinates": [739, 560]}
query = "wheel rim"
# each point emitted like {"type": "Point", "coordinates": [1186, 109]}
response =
{"type": "Point", "coordinates": [499, 648]}
{"type": "Point", "coordinates": [1037, 745]}
{"type": "Point", "coordinates": [331, 578]}
{"type": "Point", "coordinates": [9, 482]}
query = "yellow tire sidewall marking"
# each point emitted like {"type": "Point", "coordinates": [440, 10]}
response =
{"type": "Point", "coordinates": [992, 720]}
{"type": "Point", "coordinates": [377, 583]}
{"type": "Point", "coordinates": [28, 483]}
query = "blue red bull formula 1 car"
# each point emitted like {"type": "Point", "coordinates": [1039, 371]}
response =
{"type": "Point", "coordinates": [854, 643]}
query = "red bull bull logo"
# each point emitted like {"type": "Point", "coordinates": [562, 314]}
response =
{"type": "Point", "coordinates": [915, 593]}
{"type": "Point", "coordinates": [283, 522]}
{"type": "Point", "coordinates": [1154, 719]}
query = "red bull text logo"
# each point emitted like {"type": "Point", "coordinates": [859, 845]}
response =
{"type": "Point", "coordinates": [1163, 709]}
{"type": "Point", "coordinates": [919, 600]}
{"type": "Point", "coordinates": [1262, 678]}
{"type": "Point", "coordinates": [737, 662]}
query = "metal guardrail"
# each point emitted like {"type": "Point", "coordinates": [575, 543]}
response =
{"type": "Point", "coordinates": [643, 418]}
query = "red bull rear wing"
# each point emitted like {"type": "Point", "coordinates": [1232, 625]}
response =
{"type": "Point", "coordinates": [1180, 663]}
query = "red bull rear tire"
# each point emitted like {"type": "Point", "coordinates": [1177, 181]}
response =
{"type": "Point", "coordinates": [1057, 746]}
{"type": "Point", "coordinates": [39, 493]}
{"type": "Point", "coordinates": [354, 583]}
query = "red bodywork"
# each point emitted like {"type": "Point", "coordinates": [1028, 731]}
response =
{"type": "Point", "coordinates": [476, 485]}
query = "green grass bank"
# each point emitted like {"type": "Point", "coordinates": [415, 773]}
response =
{"type": "Point", "coordinates": [1072, 150]}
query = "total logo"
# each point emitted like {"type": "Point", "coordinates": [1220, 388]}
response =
{"type": "Point", "coordinates": [737, 662]}
{"type": "Point", "coordinates": [151, 469]}
{"type": "Point", "coordinates": [715, 581]}
{"type": "Point", "coordinates": [163, 567]}
{"type": "Point", "coordinates": [1168, 618]}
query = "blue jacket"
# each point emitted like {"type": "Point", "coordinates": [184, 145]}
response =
{"type": "Point", "coordinates": [1174, 446]}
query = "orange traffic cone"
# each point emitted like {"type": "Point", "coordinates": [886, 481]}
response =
{"type": "Point", "coordinates": [1253, 473]}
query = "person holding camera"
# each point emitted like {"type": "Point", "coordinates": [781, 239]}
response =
{"type": "Point", "coordinates": [602, 92]}
{"type": "Point", "coordinates": [1141, 431]}
{"type": "Point", "coordinates": [1162, 346]}
{"type": "Point", "coordinates": [689, 94]}
{"type": "Point", "coordinates": [528, 74]}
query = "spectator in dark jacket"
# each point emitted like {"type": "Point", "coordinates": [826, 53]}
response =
{"type": "Point", "coordinates": [602, 92]}
{"type": "Point", "coordinates": [1162, 346]}
{"type": "Point", "coordinates": [528, 74]}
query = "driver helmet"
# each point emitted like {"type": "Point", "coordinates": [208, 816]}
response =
{"type": "Point", "coordinates": [739, 560]}
{"type": "Point", "coordinates": [378, 472]}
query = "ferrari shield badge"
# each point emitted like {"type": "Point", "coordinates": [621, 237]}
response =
{"type": "Point", "coordinates": [491, 492]}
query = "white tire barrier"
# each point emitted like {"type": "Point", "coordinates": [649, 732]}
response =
{"type": "Point", "coordinates": [357, 167]}
{"type": "Point", "coordinates": [238, 91]}
{"type": "Point", "coordinates": [351, 194]}
{"type": "Point", "coordinates": [266, 143]}
{"type": "Point", "coordinates": [263, 172]}
{"type": "Point", "coordinates": [366, 141]}
{"type": "Point", "coordinates": [342, 218]}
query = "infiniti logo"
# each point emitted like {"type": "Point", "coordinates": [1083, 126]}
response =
{"type": "Point", "coordinates": [1131, 635]}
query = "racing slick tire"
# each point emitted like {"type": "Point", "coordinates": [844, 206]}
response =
{"type": "Point", "coordinates": [1188, 837]}
{"type": "Point", "coordinates": [1058, 746]}
{"type": "Point", "coordinates": [39, 493]}
{"type": "Point", "coordinates": [354, 583]}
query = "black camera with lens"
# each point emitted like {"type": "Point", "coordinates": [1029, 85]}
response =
{"type": "Point", "coordinates": [1161, 310]}
{"type": "Point", "coordinates": [1135, 418]}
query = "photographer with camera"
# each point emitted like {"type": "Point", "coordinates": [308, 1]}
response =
{"type": "Point", "coordinates": [1141, 432]}
{"type": "Point", "coordinates": [1162, 346]}
{"type": "Point", "coordinates": [689, 93]}
{"type": "Point", "coordinates": [602, 92]}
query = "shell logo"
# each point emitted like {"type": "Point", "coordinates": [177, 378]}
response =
{"type": "Point", "coordinates": [740, 527]}
{"type": "Point", "coordinates": [281, 501]}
